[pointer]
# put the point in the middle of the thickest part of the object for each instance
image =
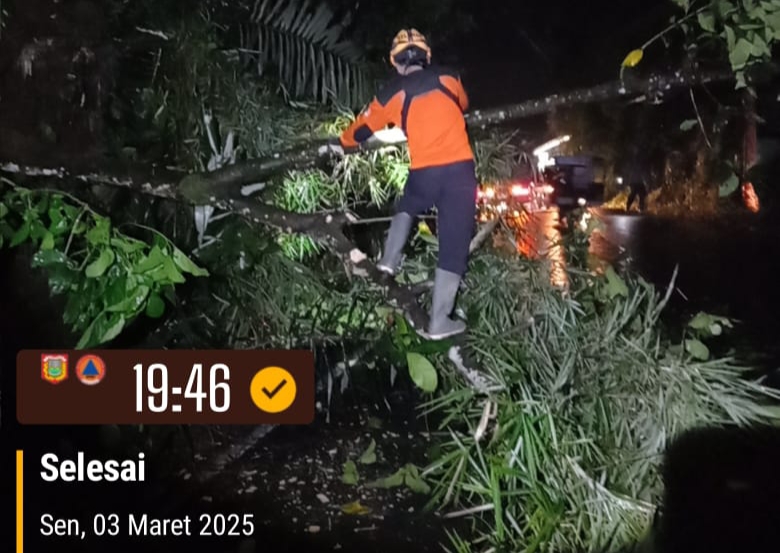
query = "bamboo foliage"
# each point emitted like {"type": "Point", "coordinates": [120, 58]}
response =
{"type": "Point", "coordinates": [567, 455]}
{"type": "Point", "coordinates": [304, 43]}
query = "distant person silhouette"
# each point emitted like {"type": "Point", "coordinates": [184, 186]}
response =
{"type": "Point", "coordinates": [637, 190]}
{"type": "Point", "coordinates": [636, 179]}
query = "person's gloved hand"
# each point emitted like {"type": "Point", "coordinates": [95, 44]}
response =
{"type": "Point", "coordinates": [332, 147]}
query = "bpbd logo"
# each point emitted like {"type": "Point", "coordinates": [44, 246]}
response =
{"type": "Point", "coordinates": [90, 370]}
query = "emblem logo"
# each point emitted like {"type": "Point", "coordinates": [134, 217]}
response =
{"type": "Point", "coordinates": [90, 369]}
{"type": "Point", "coordinates": [54, 368]}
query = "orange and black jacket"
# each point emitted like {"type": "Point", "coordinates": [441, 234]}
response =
{"type": "Point", "coordinates": [428, 106]}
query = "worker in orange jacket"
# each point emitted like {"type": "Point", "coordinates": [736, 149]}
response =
{"type": "Point", "coordinates": [427, 103]}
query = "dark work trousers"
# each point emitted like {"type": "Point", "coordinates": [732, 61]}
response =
{"type": "Point", "coordinates": [452, 189]}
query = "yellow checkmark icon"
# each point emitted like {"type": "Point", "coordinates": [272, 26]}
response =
{"type": "Point", "coordinates": [273, 389]}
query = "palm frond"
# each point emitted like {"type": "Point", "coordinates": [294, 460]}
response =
{"type": "Point", "coordinates": [304, 42]}
{"type": "Point", "coordinates": [496, 157]}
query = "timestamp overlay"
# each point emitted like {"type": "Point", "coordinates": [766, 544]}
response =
{"type": "Point", "coordinates": [80, 499]}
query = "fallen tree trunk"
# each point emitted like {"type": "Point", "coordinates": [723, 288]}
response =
{"type": "Point", "coordinates": [652, 88]}
{"type": "Point", "coordinates": [260, 170]}
{"type": "Point", "coordinates": [159, 183]}
{"type": "Point", "coordinates": [226, 182]}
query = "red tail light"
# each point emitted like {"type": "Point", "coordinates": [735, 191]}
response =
{"type": "Point", "coordinates": [520, 190]}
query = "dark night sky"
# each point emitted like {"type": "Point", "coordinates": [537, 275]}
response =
{"type": "Point", "coordinates": [521, 50]}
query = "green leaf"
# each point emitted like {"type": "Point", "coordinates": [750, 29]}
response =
{"type": "Point", "coordinates": [131, 303]}
{"type": "Point", "coordinates": [393, 481]}
{"type": "Point", "coordinates": [155, 307]}
{"type": "Point", "coordinates": [86, 337]}
{"type": "Point", "coordinates": [350, 473]}
{"type": "Point", "coordinates": [99, 234]}
{"type": "Point", "coordinates": [113, 328]}
{"type": "Point", "coordinates": [127, 244]}
{"type": "Point", "coordinates": [59, 268]}
{"type": "Point", "coordinates": [59, 224]}
{"type": "Point", "coordinates": [47, 258]}
{"type": "Point", "coordinates": [62, 278]}
{"type": "Point", "coordinates": [432, 347]}
{"type": "Point", "coordinates": [102, 329]}
{"type": "Point", "coordinates": [71, 211]}
{"type": "Point", "coordinates": [77, 309]}
{"type": "Point", "coordinates": [186, 265]}
{"type": "Point", "coordinates": [701, 320]}
{"type": "Point", "coordinates": [616, 286]}
{"type": "Point", "coordinates": [760, 47]}
{"type": "Point", "coordinates": [724, 8]}
{"type": "Point", "coordinates": [709, 324]}
{"type": "Point", "coordinates": [697, 349]}
{"type": "Point", "coordinates": [99, 266]}
{"type": "Point", "coordinates": [369, 455]}
{"type": "Point", "coordinates": [773, 21]}
{"type": "Point", "coordinates": [414, 481]}
{"type": "Point", "coordinates": [171, 272]}
{"type": "Point", "coordinates": [48, 242]}
{"type": "Point", "coordinates": [22, 234]}
{"type": "Point", "coordinates": [688, 124]}
{"type": "Point", "coordinates": [740, 54]}
{"type": "Point", "coordinates": [37, 230]}
{"type": "Point", "coordinates": [153, 260]}
{"type": "Point", "coordinates": [116, 292]}
{"type": "Point", "coordinates": [3, 210]}
{"type": "Point", "coordinates": [728, 186]}
{"type": "Point", "coordinates": [41, 206]}
{"type": "Point", "coordinates": [707, 21]}
{"type": "Point", "coordinates": [731, 38]}
{"type": "Point", "coordinates": [422, 372]}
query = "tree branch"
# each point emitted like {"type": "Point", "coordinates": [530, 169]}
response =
{"type": "Point", "coordinates": [152, 181]}
{"type": "Point", "coordinates": [482, 234]}
{"type": "Point", "coordinates": [653, 87]}
{"type": "Point", "coordinates": [326, 228]}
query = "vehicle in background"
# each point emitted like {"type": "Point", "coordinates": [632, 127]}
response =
{"type": "Point", "coordinates": [508, 198]}
{"type": "Point", "coordinates": [525, 191]}
{"type": "Point", "coordinates": [576, 181]}
{"type": "Point", "coordinates": [542, 181]}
